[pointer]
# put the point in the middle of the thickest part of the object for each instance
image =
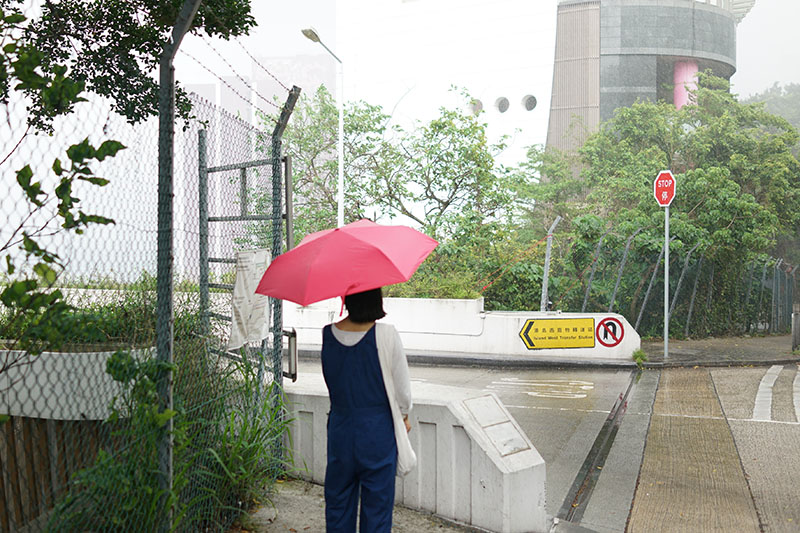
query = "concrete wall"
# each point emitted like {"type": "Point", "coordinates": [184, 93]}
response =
{"type": "Point", "coordinates": [59, 386]}
{"type": "Point", "coordinates": [475, 465]}
{"type": "Point", "coordinates": [611, 53]}
{"type": "Point", "coordinates": [640, 40]}
{"type": "Point", "coordinates": [462, 326]}
{"type": "Point", "coordinates": [576, 75]}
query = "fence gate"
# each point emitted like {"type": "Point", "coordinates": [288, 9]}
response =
{"type": "Point", "coordinates": [261, 211]}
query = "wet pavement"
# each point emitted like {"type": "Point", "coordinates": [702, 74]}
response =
{"type": "Point", "coordinates": [694, 451]}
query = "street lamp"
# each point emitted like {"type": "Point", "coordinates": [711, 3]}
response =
{"type": "Point", "coordinates": [312, 35]}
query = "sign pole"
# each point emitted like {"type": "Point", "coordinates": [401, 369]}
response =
{"type": "Point", "coordinates": [664, 193]}
{"type": "Point", "coordinates": [666, 283]}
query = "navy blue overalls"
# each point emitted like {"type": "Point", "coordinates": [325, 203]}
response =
{"type": "Point", "coordinates": [362, 451]}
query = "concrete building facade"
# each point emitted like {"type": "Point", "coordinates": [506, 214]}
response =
{"type": "Point", "coordinates": [612, 53]}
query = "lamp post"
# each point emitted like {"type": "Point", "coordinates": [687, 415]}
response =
{"type": "Point", "coordinates": [312, 35]}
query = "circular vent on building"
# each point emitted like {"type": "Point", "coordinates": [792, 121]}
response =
{"type": "Point", "coordinates": [475, 106]}
{"type": "Point", "coordinates": [501, 104]}
{"type": "Point", "coordinates": [529, 102]}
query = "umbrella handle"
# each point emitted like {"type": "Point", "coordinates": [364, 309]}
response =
{"type": "Point", "coordinates": [341, 310]}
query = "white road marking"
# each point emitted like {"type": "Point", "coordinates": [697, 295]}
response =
{"type": "Point", "coordinates": [544, 388]}
{"type": "Point", "coordinates": [762, 410]}
{"type": "Point", "coordinates": [796, 392]}
{"type": "Point", "coordinates": [543, 408]}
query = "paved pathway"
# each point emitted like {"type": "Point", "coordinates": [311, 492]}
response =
{"type": "Point", "coordinates": [724, 351]}
{"type": "Point", "coordinates": [691, 478]}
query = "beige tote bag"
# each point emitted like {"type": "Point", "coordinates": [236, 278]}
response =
{"type": "Point", "coordinates": [406, 458]}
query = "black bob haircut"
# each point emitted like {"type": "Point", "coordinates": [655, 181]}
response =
{"type": "Point", "coordinates": [363, 307]}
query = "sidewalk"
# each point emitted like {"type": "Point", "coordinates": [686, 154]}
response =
{"type": "Point", "coordinates": [299, 506]}
{"type": "Point", "coordinates": [727, 351]}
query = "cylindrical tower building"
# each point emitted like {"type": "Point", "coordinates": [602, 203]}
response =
{"type": "Point", "coordinates": [611, 53]}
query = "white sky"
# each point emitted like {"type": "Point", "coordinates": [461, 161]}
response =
{"type": "Point", "coordinates": [768, 49]}
{"type": "Point", "coordinates": [404, 54]}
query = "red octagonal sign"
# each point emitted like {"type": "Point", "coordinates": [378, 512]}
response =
{"type": "Point", "coordinates": [664, 188]}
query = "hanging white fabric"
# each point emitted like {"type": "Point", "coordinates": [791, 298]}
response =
{"type": "Point", "coordinates": [249, 311]}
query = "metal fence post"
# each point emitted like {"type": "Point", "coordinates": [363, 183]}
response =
{"type": "Point", "coordinates": [773, 326]}
{"type": "Point", "coordinates": [289, 202]}
{"type": "Point", "coordinates": [164, 261]}
{"type": "Point", "coordinates": [680, 279]}
{"type": "Point", "coordinates": [710, 288]}
{"type": "Point", "coordinates": [277, 237]}
{"type": "Point", "coordinates": [795, 314]}
{"type": "Point", "coordinates": [277, 249]}
{"type": "Point", "coordinates": [760, 294]}
{"type": "Point", "coordinates": [747, 297]}
{"type": "Point", "coordinates": [787, 301]}
{"type": "Point", "coordinates": [649, 287]}
{"type": "Point", "coordinates": [621, 268]}
{"type": "Point", "coordinates": [243, 192]}
{"type": "Point", "coordinates": [790, 277]}
{"type": "Point", "coordinates": [545, 277]}
{"type": "Point", "coordinates": [694, 294]}
{"type": "Point", "coordinates": [594, 269]}
{"type": "Point", "coordinates": [202, 189]}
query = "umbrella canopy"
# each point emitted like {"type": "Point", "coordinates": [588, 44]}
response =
{"type": "Point", "coordinates": [354, 258]}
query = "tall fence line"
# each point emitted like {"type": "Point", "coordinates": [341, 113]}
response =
{"type": "Point", "coordinates": [707, 296]}
{"type": "Point", "coordinates": [92, 438]}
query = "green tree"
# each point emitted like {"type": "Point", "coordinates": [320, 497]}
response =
{"type": "Point", "coordinates": [785, 102]}
{"type": "Point", "coordinates": [737, 178]}
{"type": "Point", "coordinates": [440, 174]}
{"type": "Point", "coordinates": [782, 100]}
{"type": "Point", "coordinates": [444, 172]}
{"type": "Point", "coordinates": [311, 141]}
{"type": "Point", "coordinates": [738, 197]}
{"type": "Point", "coordinates": [113, 48]}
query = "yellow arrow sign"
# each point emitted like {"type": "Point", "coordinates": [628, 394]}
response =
{"type": "Point", "coordinates": [540, 333]}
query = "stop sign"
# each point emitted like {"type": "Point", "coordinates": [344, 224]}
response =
{"type": "Point", "coordinates": [664, 188]}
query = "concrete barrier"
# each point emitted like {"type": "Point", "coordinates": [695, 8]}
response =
{"type": "Point", "coordinates": [475, 465]}
{"type": "Point", "coordinates": [462, 326]}
{"type": "Point", "coordinates": [60, 386]}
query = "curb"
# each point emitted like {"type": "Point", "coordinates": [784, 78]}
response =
{"type": "Point", "coordinates": [491, 361]}
{"type": "Point", "coordinates": [723, 364]}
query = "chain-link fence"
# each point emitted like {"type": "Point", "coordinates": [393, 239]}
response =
{"type": "Point", "coordinates": [623, 272]}
{"type": "Point", "coordinates": [84, 420]}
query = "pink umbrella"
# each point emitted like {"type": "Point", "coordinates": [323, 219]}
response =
{"type": "Point", "coordinates": [354, 258]}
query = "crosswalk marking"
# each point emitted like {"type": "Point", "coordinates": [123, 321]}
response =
{"type": "Point", "coordinates": [762, 410]}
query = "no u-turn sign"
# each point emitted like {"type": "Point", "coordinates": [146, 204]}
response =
{"type": "Point", "coordinates": [610, 332]}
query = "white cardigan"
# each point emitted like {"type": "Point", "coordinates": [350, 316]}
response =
{"type": "Point", "coordinates": [394, 370]}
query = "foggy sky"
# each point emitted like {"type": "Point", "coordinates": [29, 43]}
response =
{"type": "Point", "coordinates": [767, 48]}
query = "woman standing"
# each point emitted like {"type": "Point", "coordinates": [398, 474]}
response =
{"type": "Point", "coordinates": [361, 361]}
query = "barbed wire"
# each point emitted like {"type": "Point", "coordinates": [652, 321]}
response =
{"type": "Point", "coordinates": [235, 73]}
{"type": "Point", "coordinates": [265, 69]}
{"type": "Point", "coordinates": [213, 15]}
{"type": "Point", "coordinates": [220, 78]}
